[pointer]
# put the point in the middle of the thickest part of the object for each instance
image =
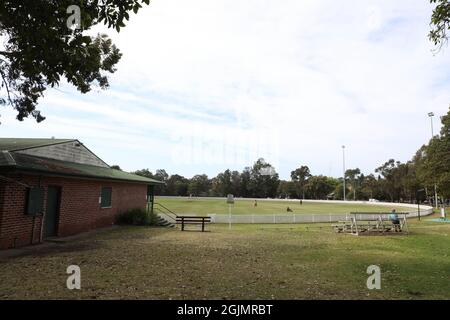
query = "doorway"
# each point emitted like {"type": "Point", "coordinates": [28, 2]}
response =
{"type": "Point", "coordinates": [52, 211]}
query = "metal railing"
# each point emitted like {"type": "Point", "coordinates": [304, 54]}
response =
{"type": "Point", "coordinates": [163, 210]}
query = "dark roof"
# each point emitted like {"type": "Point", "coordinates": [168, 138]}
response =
{"type": "Point", "coordinates": [24, 162]}
{"type": "Point", "coordinates": [14, 144]}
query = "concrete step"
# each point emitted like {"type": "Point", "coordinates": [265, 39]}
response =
{"type": "Point", "coordinates": [160, 221]}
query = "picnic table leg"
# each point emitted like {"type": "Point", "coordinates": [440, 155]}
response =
{"type": "Point", "coordinates": [182, 224]}
{"type": "Point", "coordinates": [405, 223]}
{"type": "Point", "coordinates": [382, 224]}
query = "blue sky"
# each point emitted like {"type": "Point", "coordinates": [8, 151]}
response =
{"type": "Point", "coordinates": [209, 85]}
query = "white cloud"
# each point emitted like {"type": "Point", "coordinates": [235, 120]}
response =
{"type": "Point", "coordinates": [308, 75]}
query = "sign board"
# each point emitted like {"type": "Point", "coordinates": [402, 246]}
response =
{"type": "Point", "coordinates": [421, 195]}
{"type": "Point", "coordinates": [230, 199]}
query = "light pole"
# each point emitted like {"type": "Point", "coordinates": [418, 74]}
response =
{"type": "Point", "coordinates": [343, 165]}
{"type": "Point", "coordinates": [431, 115]}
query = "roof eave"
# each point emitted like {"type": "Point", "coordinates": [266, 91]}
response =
{"type": "Point", "coordinates": [90, 177]}
{"type": "Point", "coordinates": [43, 145]}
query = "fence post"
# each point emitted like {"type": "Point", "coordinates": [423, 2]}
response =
{"type": "Point", "coordinates": [313, 218]}
{"type": "Point", "coordinates": [294, 217]}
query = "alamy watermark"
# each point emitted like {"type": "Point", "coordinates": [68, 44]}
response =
{"type": "Point", "coordinates": [74, 20]}
{"type": "Point", "coordinates": [374, 280]}
{"type": "Point", "coordinates": [231, 146]}
{"type": "Point", "coordinates": [74, 278]}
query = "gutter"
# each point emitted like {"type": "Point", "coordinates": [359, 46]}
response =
{"type": "Point", "coordinates": [87, 177]}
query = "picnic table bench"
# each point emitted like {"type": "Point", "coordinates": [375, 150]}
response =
{"type": "Point", "coordinates": [192, 220]}
{"type": "Point", "coordinates": [371, 222]}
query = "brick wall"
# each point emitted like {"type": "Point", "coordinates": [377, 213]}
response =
{"type": "Point", "coordinates": [2, 188]}
{"type": "Point", "coordinates": [79, 209]}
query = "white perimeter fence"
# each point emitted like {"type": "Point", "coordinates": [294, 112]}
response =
{"type": "Point", "coordinates": [300, 218]}
{"type": "Point", "coordinates": [314, 218]}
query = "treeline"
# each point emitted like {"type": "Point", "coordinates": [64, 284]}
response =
{"type": "Point", "coordinates": [392, 181]}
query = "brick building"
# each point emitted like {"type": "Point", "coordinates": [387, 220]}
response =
{"type": "Point", "coordinates": [56, 187]}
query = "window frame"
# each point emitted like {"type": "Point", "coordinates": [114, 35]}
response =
{"type": "Point", "coordinates": [102, 205]}
{"type": "Point", "coordinates": [38, 202]}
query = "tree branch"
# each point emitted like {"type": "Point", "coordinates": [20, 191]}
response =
{"type": "Point", "coordinates": [6, 53]}
{"type": "Point", "coordinates": [6, 86]}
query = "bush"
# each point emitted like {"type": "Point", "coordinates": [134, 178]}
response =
{"type": "Point", "coordinates": [136, 217]}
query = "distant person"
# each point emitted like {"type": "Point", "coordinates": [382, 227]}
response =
{"type": "Point", "coordinates": [301, 202]}
{"type": "Point", "coordinates": [289, 209]}
{"type": "Point", "coordinates": [395, 220]}
{"type": "Point", "coordinates": [255, 204]}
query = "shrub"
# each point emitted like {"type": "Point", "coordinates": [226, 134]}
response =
{"type": "Point", "coordinates": [136, 217]}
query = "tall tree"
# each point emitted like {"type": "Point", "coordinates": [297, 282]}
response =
{"type": "Point", "coordinates": [410, 181]}
{"type": "Point", "coordinates": [369, 187]}
{"type": "Point", "coordinates": [353, 176]}
{"type": "Point", "coordinates": [199, 185]}
{"type": "Point", "coordinates": [300, 176]}
{"type": "Point", "coordinates": [440, 22]}
{"type": "Point", "coordinates": [177, 185]}
{"type": "Point", "coordinates": [320, 187]}
{"type": "Point", "coordinates": [223, 184]}
{"type": "Point", "coordinates": [245, 182]}
{"type": "Point", "coordinates": [47, 40]}
{"type": "Point", "coordinates": [144, 173]}
{"type": "Point", "coordinates": [236, 181]}
{"type": "Point", "coordinates": [338, 192]}
{"type": "Point", "coordinates": [390, 183]}
{"type": "Point", "coordinates": [263, 180]}
{"type": "Point", "coordinates": [434, 165]}
{"type": "Point", "coordinates": [287, 189]}
{"type": "Point", "coordinates": [163, 176]}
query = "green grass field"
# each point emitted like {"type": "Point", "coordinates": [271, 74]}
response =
{"type": "Point", "coordinates": [204, 206]}
{"type": "Point", "coordinates": [247, 262]}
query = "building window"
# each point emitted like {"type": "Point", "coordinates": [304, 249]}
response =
{"type": "Point", "coordinates": [34, 202]}
{"type": "Point", "coordinates": [105, 198]}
